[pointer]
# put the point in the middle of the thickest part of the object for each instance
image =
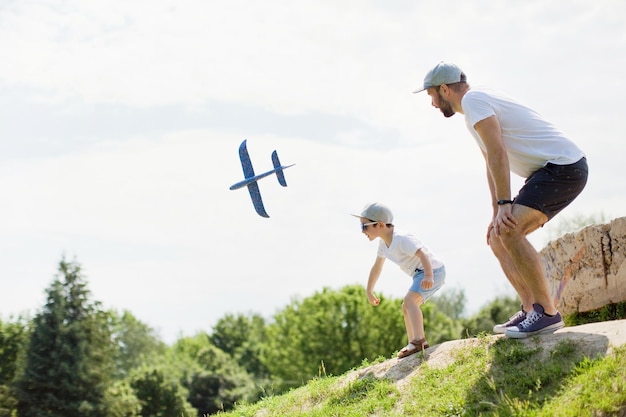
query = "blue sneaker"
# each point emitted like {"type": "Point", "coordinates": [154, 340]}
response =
{"type": "Point", "coordinates": [514, 320]}
{"type": "Point", "coordinates": [536, 322]}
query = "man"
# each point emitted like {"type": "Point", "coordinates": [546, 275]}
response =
{"type": "Point", "coordinates": [514, 138]}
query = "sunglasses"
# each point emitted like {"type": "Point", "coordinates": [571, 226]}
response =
{"type": "Point", "coordinates": [364, 225]}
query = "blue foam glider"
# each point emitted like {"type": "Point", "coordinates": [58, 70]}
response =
{"type": "Point", "coordinates": [251, 180]}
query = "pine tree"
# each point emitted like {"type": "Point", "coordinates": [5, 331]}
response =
{"type": "Point", "coordinates": [67, 364]}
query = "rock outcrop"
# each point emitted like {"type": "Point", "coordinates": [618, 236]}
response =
{"type": "Point", "coordinates": [586, 270]}
{"type": "Point", "coordinates": [592, 340]}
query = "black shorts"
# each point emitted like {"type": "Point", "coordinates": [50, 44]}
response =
{"type": "Point", "coordinates": [552, 188]}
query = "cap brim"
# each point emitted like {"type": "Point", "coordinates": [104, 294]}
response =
{"type": "Point", "coordinates": [426, 87]}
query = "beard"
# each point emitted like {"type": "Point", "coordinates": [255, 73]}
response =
{"type": "Point", "coordinates": [445, 107]}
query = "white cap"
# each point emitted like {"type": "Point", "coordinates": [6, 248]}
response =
{"type": "Point", "coordinates": [443, 73]}
{"type": "Point", "coordinates": [376, 212]}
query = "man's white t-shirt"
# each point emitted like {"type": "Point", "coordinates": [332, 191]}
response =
{"type": "Point", "coordinates": [402, 252]}
{"type": "Point", "coordinates": [530, 140]}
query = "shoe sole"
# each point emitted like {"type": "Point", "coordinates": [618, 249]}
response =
{"type": "Point", "coordinates": [500, 330]}
{"type": "Point", "coordinates": [522, 335]}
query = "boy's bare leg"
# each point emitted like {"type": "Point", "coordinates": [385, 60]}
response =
{"type": "Point", "coordinates": [414, 316]}
{"type": "Point", "coordinates": [407, 322]}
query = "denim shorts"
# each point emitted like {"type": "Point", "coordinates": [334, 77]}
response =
{"type": "Point", "coordinates": [439, 275]}
{"type": "Point", "coordinates": [552, 188]}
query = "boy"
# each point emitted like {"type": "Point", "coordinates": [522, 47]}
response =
{"type": "Point", "coordinates": [427, 271]}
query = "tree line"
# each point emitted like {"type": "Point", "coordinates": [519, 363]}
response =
{"type": "Point", "coordinates": [76, 359]}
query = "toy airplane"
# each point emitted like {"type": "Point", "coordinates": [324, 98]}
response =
{"type": "Point", "coordinates": [251, 179]}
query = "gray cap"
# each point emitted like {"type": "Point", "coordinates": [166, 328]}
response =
{"type": "Point", "coordinates": [443, 73]}
{"type": "Point", "coordinates": [376, 212]}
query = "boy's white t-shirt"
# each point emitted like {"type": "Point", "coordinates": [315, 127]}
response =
{"type": "Point", "coordinates": [530, 140]}
{"type": "Point", "coordinates": [402, 252]}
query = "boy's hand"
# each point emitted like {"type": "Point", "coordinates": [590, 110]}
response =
{"type": "Point", "coordinates": [373, 299]}
{"type": "Point", "coordinates": [427, 283]}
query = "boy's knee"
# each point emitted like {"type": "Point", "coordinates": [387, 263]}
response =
{"type": "Point", "coordinates": [412, 298]}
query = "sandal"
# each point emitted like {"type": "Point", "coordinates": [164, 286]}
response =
{"type": "Point", "coordinates": [418, 346]}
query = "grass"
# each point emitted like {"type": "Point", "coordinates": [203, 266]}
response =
{"type": "Point", "coordinates": [615, 311]}
{"type": "Point", "coordinates": [324, 397]}
{"type": "Point", "coordinates": [496, 377]}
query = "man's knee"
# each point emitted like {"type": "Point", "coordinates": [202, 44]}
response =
{"type": "Point", "coordinates": [501, 244]}
{"type": "Point", "coordinates": [512, 238]}
{"type": "Point", "coordinates": [496, 244]}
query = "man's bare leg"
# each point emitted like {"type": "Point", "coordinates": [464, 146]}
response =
{"type": "Point", "coordinates": [524, 257]}
{"type": "Point", "coordinates": [511, 272]}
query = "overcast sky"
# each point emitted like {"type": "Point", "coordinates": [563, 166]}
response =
{"type": "Point", "coordinates": [120, 123]}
